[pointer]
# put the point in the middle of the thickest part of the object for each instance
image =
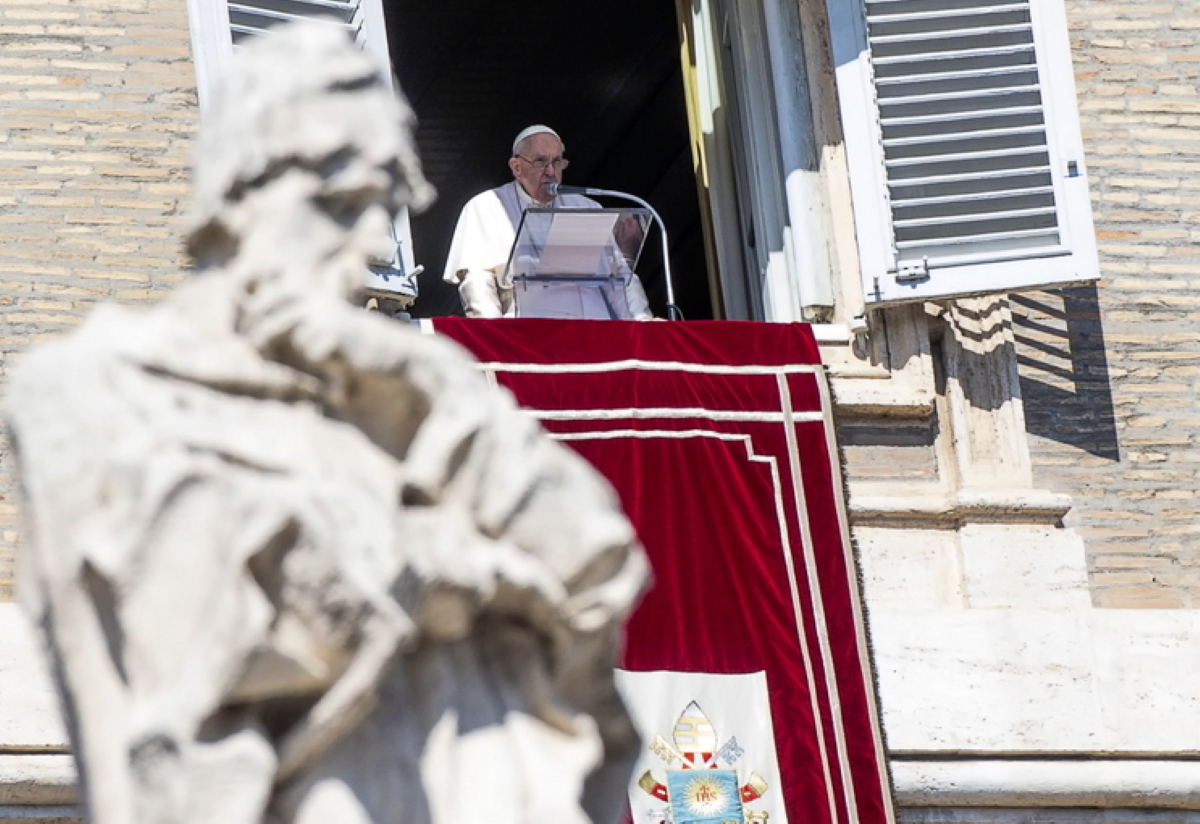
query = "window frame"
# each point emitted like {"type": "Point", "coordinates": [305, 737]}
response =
{"type": "Point", "coordinates": [1074, 261]}
{"type": "Point", "coordinates": [753, 129]}
{"type": "Point", "coordinates": [212, 51]}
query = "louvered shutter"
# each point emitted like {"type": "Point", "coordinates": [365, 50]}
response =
{"type": "Point", "coordinates": [253, 17]}
{"type": "Point", "coordinates": [962, 132]}
{"type": "Point", "coordinates": [221, 26]}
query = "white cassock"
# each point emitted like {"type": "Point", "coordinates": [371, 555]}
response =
{"type": "Point", "coordinates": [483, 240]}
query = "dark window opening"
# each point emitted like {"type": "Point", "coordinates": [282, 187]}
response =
{"type": "Point", "coordinates": [606, 76]}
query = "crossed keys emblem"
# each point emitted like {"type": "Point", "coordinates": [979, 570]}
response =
{"type": "Point", "coordinates": [705, 788]}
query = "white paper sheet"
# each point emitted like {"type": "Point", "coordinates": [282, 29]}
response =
{"type": "Point", "coordinates": [577, 244]}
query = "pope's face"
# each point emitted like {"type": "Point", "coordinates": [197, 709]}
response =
{"type": "Point", "coordinates": [539, 150]}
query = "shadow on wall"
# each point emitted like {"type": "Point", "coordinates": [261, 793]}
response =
{"type": "Point", "coordinates": [1064, 369]}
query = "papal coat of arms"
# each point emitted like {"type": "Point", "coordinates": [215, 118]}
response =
{"type": "Point", "coordinates": [705, 788]}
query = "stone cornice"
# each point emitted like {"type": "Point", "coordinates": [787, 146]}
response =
{"type": "Point", "coordinates": [947, 511]}
{"type": "Point", "coordinates": [1025, 782]}
{"type": "Point", "coordinates": [37, 780]}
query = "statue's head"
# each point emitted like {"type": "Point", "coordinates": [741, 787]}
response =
{"type": "Point", "coordinates": [305, 148]}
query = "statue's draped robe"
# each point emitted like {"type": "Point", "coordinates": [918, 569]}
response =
{"type": "Point", "coordinates": [332, 578]}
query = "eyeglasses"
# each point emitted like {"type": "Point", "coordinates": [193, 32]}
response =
{"type": "Point", "coordinates": [559, 163]}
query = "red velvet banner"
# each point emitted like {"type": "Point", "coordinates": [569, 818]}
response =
{"type": "Point", "coordinates": [718, 439]}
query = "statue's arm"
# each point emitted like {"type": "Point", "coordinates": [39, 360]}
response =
{"type": "Point", "coordinates": [465, 444]}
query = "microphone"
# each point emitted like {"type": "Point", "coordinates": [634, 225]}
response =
{"type": "Point", "coordinates": [557, 189]}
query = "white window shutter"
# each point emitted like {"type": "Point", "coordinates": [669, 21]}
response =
{"type": "Point", "coordinates": [248, 18]}
{"type": "Point", "coordinates": [962, 132]}
{"type": "Point", "coordinates": [219, 27]}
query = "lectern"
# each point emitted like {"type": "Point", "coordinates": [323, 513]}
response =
{"type": "Point", "coordinates": [575, 263]}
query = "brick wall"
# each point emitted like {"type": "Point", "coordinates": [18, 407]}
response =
{"type": "Point", "coordinates": [97, 106]}
{"type": "Point", "coordinates": [1110, 374]}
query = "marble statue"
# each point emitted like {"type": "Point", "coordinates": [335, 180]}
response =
{"type": "Point", "coordinates": [295, 561]}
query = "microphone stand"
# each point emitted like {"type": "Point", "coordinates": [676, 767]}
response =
{"type": "Point", "coordinates": [673, 312]}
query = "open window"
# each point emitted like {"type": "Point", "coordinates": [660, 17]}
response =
{"type": "Point", "coordinates": [219, 27]}
{"type": "Point", "coordinates": [753, 132]}
{"type": "Point", "coordinates": [962, 134]}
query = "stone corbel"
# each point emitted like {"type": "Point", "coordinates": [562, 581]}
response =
{"type": "Point", "coordinates": [886, 371]}
{"type": "Point", "coordinates": [981, 402]}
{"type": "Point", "coordinates": [956, 362]}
